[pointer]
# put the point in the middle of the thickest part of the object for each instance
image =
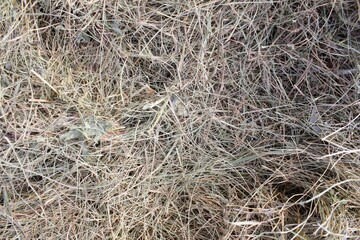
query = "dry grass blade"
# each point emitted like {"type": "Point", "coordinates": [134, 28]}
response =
{"type": "Point", "coordinates": [174, 119]}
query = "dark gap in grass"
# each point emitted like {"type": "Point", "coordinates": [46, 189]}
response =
{"type": "Point", "coordinates": [36, 178]}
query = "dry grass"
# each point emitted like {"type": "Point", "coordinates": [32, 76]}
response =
{"type": "Point", "coordinates": [179, 119]}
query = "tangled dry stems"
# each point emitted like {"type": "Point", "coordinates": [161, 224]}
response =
{"type": "Point", "coordinates": [208, 119]}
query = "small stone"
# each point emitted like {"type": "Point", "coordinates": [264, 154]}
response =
{"type": "Point", "coordinates": [8, 66]}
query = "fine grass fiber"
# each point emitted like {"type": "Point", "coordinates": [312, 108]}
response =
{"type": "Point", "coordinates": [179, 119]}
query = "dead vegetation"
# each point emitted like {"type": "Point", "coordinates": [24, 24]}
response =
{"type": "Point", "coordinates": [179, 119]}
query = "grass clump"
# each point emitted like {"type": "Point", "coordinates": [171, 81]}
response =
{"type": "Point", "coordinates": [179, 119]}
